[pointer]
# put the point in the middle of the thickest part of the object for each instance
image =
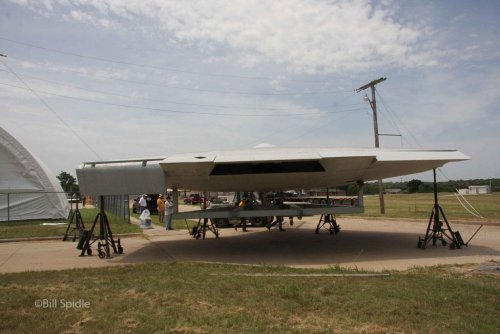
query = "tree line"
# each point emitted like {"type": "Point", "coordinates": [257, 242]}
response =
{"type": "Point", "coordinates": [418, 186]}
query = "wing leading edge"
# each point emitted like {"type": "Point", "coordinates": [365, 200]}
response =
{"type": "Point", "coordinates": [265, 169]}
{"type": "Point", "coordinates": [271, 169]}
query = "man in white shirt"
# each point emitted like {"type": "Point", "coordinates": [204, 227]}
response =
{"type": "Point", "coordinates": [143, 204]}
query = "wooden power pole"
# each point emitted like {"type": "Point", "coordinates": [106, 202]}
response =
{"type": "Point", "coordinates": [373, 105]}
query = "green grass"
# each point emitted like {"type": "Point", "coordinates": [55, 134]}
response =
{"type": "Point", "coordinates": [419, 206]}
{"type": "Point", "coordinates": [25, 229]}
{"type": "Point", "coordinates": [203, 298]}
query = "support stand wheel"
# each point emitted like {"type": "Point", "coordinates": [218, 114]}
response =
{"type": "Point", "coordinates": [100, 251]}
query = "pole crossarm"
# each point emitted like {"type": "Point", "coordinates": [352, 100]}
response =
{"type": "Point", "coordinates": [370, 84]}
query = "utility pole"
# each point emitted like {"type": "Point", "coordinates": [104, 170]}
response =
{"type": "Point", "coordinates": [373, 105]}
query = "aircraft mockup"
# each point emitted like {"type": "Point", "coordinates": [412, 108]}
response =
{"type": "Point", "coordinates": [259, 169]}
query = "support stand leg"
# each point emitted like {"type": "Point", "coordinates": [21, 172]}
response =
{"type": "Point", "coordinates": [76, 219]}
{"type": "Point", "coordinates": [329, 223]}
{"type": "Point", "coordinates": [200, 230]}
{"type": "Point", "coordinates": [439, 232]}
{"type": "Point", "coordinates": [105, 238]}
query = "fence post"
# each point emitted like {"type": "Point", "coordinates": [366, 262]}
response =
{"type": "Point", "coordinates": [8, 207]}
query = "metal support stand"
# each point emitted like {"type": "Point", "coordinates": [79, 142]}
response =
{"type": "Point", "coordinates": [200, 230]}
{"type": "Point", "coordinates": [105, 237]}
{"type": "Point", "coordinates": [76, 219]}
{"type": "Point", "coordinates": [438, 232]}
{"type": "Point", "coordinates": [329, 223]}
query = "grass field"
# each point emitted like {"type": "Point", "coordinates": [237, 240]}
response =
{"type": "Point", "coordinates": [24, 229]}
{"type": "Point", "coordinates": [210, 298]}
{"type": "Point", "coordinates": [214, 298]}
{"type": "Point", "coordinates": [419, 206]}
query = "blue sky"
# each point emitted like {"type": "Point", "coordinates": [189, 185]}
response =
{"type": "Point", "coordinates": [102, 80]}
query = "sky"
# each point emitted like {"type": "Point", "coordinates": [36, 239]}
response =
{"type": "Point", "coordinates": [91, 80]}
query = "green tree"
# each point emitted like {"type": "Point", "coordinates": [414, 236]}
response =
{"type": "Point", "coordinates": [68, 181]}
{"type": "Point", "coordinates": [414, 186]}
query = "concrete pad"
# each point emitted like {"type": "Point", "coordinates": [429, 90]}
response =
{"type": "Point", "coordinates": [375, 245]}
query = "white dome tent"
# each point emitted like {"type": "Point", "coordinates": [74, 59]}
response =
{"type": "Point", "coordinates": [28, 190]}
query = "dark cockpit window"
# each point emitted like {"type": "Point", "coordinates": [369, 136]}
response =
{"type": "Point", "coordinates": [267, 168]}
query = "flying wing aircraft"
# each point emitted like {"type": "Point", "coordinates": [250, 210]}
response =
{"type": "Point", "coordinates": [259, 170]}
{"type": "Point", "coordinates": [262, 169]}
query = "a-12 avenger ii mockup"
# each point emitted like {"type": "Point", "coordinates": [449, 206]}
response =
{"type": "Point", "coordinates": [258, 170]}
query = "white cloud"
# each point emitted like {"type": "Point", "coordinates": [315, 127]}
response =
{"type": "Point", "coordinates": [81, 16]}
{"type": "Point", "coordinates": [442, 77]}
{"type": "Point", "coordinates": [304, 36]}
{"type": "Point", "coordinates": [458, 18]}
{"type": "Point", "coordinates": [444, 106]}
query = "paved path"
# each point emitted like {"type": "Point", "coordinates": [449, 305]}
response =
{"type": "Point", "coordinates": [366, 244]}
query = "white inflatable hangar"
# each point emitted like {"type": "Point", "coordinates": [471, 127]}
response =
{"type": "Point", "coordinates": [28, 190]}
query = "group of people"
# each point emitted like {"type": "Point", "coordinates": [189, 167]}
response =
{"type": "Point", "coordinates": [165, 209]}
{"type": "Point", "coordinates": [248, 203]}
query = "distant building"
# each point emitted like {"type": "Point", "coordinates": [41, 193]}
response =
{"type": "Point", "coordinates": [475, 190]}
{"type": "Point", "coordinates": [393, 191]}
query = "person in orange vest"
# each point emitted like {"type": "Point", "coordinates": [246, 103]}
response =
{"type": "Point", "coordinates": [160, 204]}
{"type": "Point", "coordinates": [244, 204]}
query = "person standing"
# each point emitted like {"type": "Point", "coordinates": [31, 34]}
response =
{"type": "Point", "coordinates": [279, 222]}
{"type": "Point", "coordinates": [279, 219]}
{"type": "Point", "coordinates": [243, 205]}
{"type": "Point", "coordinates": [169, 211]}
{"type": "Point", "coordinates": [160, 204]}
{"type": "Point", "coordinates": [143, 204]}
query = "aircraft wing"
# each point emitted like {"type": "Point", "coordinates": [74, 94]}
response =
{"type": "Point", "coordinates": [272, 169]}
{"type": "Point", "coordinates": [263, 169]}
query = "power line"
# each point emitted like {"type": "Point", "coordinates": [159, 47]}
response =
{"type": "Point", "coordinates": [223, 92]}
{"type": "Point", "coordinates": [51, 110]}
{"type": "Point", "coordinates": [398, 120]}
{"type": "Point", "coordinates": [182, 111]}
{"type": "Point", "coordinates": [184, 103]}
{"type": "Point", "coordinates": [388, 117]}
{"type": "Point", "coordinates": [171, 69]}
{"type": "Point", "coordinates": [204, 90]}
